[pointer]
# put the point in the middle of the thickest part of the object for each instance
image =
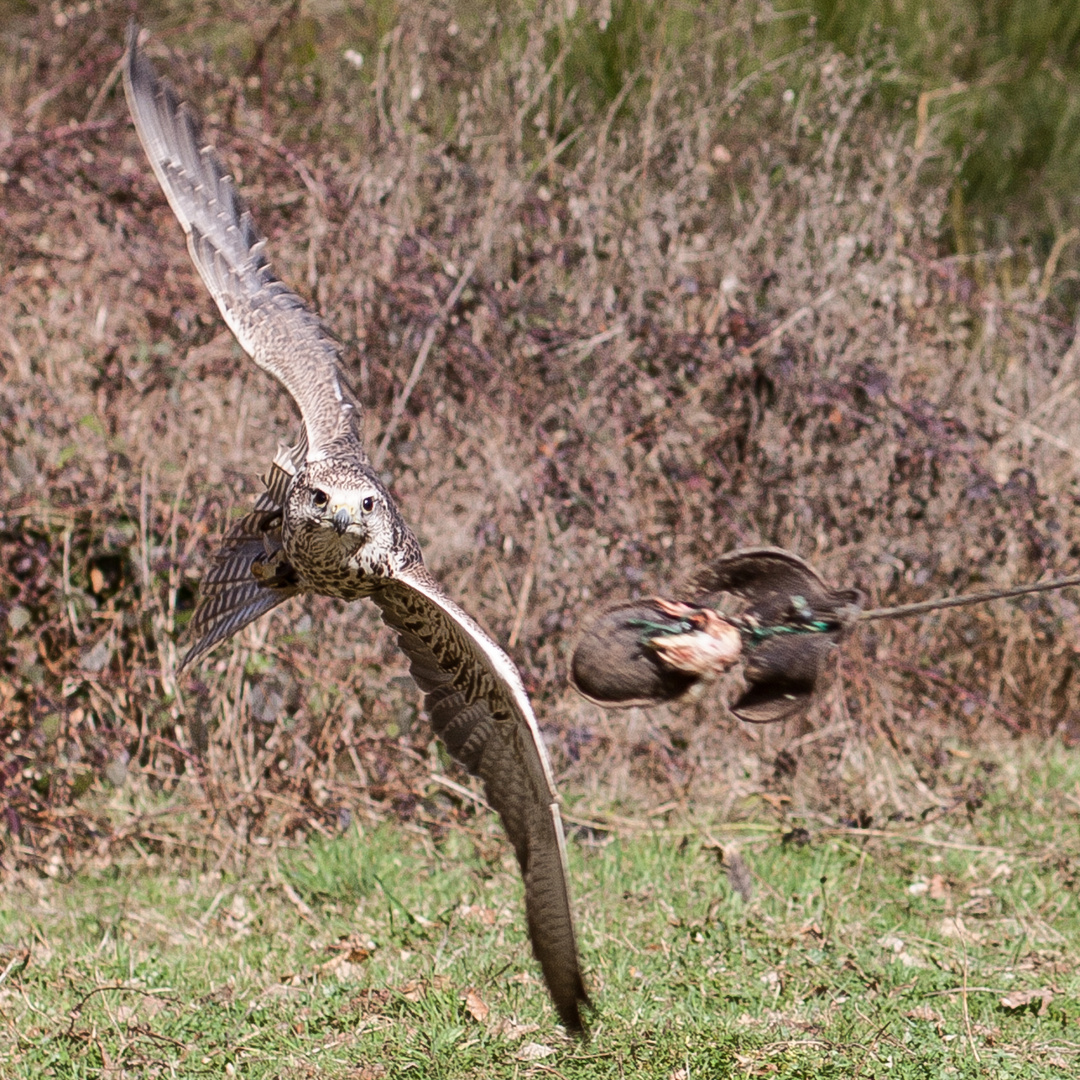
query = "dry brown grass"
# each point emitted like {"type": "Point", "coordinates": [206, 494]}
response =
{"type": "Point", "coordinates": [702, 315]}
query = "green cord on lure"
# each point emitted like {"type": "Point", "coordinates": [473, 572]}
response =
{"type": "Point", "coordinates": [752, 633]}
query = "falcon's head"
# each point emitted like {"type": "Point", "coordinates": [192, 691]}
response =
{"type": "Point", "coordinates": [345, 499]}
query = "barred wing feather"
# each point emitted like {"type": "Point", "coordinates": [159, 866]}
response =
{"type": "Point", "coordinates": [478, 707]}
{"type": "Point", "coordinates": [270, 321]}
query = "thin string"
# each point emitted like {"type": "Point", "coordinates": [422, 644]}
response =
{"type": "Point", "coordinates": [967, 598]}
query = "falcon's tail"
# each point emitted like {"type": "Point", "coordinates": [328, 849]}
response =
{"type": "Point", "coordinates": [249, 574]}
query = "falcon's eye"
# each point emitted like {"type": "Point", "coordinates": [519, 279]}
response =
{"type": "Point", "coordinates": [368, 505]}
{"type": "Point", "coordinates": [319, 497]}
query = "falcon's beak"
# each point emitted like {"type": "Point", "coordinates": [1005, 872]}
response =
{"type": "Point", "coordinates": [342, 519]}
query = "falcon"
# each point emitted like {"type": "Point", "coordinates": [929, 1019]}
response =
{"type": "Point", "coordinates": [326, 524]}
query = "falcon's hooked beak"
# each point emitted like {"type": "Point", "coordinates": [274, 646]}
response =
{"type": "Point", "coordinates": [341, 520]}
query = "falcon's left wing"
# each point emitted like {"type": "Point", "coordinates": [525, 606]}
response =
{"type": "Point", "coordinates": [478, 707]}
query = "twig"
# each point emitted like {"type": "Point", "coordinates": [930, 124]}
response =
{"type": "Point", "coordinates": [530, 576]}
{"type": "Point", "coordinates": [586, 345]}
{"type": "Point", "coordinates": [156, 993]}
{"type": "Point", "coordinates": [459, 789]}
{"type": "Point", "coordinates": [936, 676]}
{"type": "Point", "coordinates": [922, 109]}
{"type": "Point", "coordinates": [298, 902]}
{"type": "Point", "coordinates": [785, 325]}
{"type": "Point", "coordinates": [747, 81]}
{"type": "Point", "coordinates": [1050, 266]}
{"type": "Point", "coordinates": [906, 838]}
{"type": "Point", "coordinates": [964, 995]}
{"type": "Point", "coordinates": [20, 147]}
{"type": "Point", "coordinates": [1034, 429]}
{"type": "Point", "coordinates": [315, 189]}
{"type": "Point", "coordinates": [72, 78]}
{"type": "Point", "coordinates": [17, 962]}
{"type": "Point", "coordinates": [106, 88]}
{"type": "Point", "coordinates": [69, 603]}
{"type": "Point", "coordinates": [421, 360]}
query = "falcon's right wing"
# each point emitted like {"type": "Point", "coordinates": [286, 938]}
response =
{"type": "Point", "coordinates": [250, 574]}
{"type": "Point", "coordinates": [269, 320]}
{"type": "Point", "coordinates": [234, 592]}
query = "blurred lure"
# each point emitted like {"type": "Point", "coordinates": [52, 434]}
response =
{"type": "Point", "coordinates": [652, 651]}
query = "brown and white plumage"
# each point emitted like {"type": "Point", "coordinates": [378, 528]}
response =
{"type": "Point", "coordinates": [327, 524]}
{"type": "Point", "coordinates": [272, 323]}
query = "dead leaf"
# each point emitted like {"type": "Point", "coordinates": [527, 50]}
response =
{"type": "Point", "coordinates": [474, 1005]}
{"type": "Point", "coordinates": [346, 966]}
{"type": "Point", "coordinates": [369, 1072]}
{"type": "Point", "coordinates": [531, 1051]}
{"type": "Point", "coordinates": [349, 949]}
{"type": "Point", "coordinates": [507, 1028]}
{"type": "Point", "coordinates": [924, 1012]}
{"type": "Point", "coordinates": [416, 989]}
{"type": "Point", "coordinates": [372, 1002]}
{"type": "Point", "coordinates": [939, 888]}
{"type": "Point", "coordinates": [1019, 999]}
{"type": "Point", "coordinates": [484, 915]}
{"type": "Point", "coordinates": [952, 926]}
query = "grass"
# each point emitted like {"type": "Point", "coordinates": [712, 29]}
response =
{"type": "Point", "coordinates": [384, 952]}
{"type": "Point", "coordinates": [1003, 79]}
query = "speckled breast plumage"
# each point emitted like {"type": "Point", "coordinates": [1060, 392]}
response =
{"type": "Point", "coordinates": [326, 565]}
{"type": "Point", "coordinates": [347, 566]}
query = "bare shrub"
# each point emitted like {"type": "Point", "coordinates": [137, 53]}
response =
{"type": "Point", "coordinates": [703, 310]}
